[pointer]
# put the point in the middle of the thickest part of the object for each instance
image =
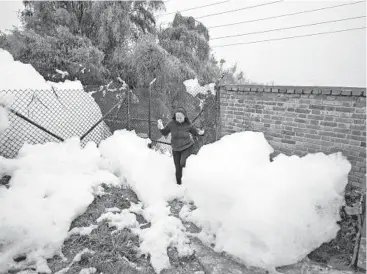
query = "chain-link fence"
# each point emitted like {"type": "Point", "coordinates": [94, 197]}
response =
{"type": "Point", "coordinates": [39, 116]}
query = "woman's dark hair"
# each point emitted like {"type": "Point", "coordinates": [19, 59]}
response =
{"type": "Point", "coordinates": [185, 120]}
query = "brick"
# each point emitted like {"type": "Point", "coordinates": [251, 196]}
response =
{"type": "Point", "coordinates": [299, 91]}
{"type": "Point", "coordinates": [359, 127]}
{"type": "Point", "coordinates": [336, 92]}
{"type": "Point", "coordinates": [357, 132]}
{"type": "Point", "coordinates": [344, 109]}
{"type": "Point", "coordinates": [346, 92]}
{"type": "Point", "coordinates": [360, 110]}
{"type": "Point", "coordinates": [326, 143]}
{"type": "Point", "coordinates": [348, 104]}
{"type": "Point", "coordinates": [358, 174]}
{"type": "Point", "coordinates": [279, 118]}
{"type": "Point", "coordinates": [313, 146]}
{"type": "Point", "coordinates": [345, 120]}
{"type": "Point", "coordinates": [341, 130]}
{"type": "Point", "coordinates": [354, 143]}
{"type": "Point", "coordinates": [353, 181]}
{"type": "Point", "coordinates": [325, 133]}
{"type": "Point", "coordinates": [329, 124]}
{"type": "Point", "coordinates": [358, 138]}
{"type": "Point", "coordinates": [316, 112]}
{"type": "Point", "coordinates": [359, 121]}
{"type": "Point", "coordinates": [270, 103]}
{"type": "Point", "coordinates": [289, 133]}
{"type": "Point", "coordinates": [300, 134]}
{"type": "Point", "coordinates": [330, 108]}
{"type": "Point", "coordinates": [278, 109]}
{"type": "Point", "coordinates": [340, 135]}
{"type": "Point", "coordinates": [326, 92]}
{"type": "Point", "coordinates": [331, 101]}
{"type": "Point", "coordinates": [300, 110]}
{"type": "Point", "coordinates": [314, 122]}
{"type": "Point", "coordinates": [316, 91]}
{"type": "Point", "coordinates": [305, 101]}
{"type": "Point", "coordinates": [313, 126]}
{"type": "Point", "coordinates": [357, 92]}
{"type": "Point", "coordinates": [312, 136]}
{"type": "Point", "coordinates": [290, 91]}
{"type": "Point", "coordinates": [288, 141]}
{"type": "Point", "coordinates": [257, 106]}
{"type": "Point", "coordinates": [359, 116]}
{"type": "Point", "coordinates": [360, 104]}
{"type": "Point", "coordinates": [345, 114]}
{"type": "Point", "coordinates": [317, 107]}
{"type": "Point", "coordinates": [300, 120]}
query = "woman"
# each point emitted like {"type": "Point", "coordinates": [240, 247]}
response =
{"type": "Point", "coordinates": [181, 141]}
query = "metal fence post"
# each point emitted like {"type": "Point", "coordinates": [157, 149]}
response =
{"type": "Point", "coordinates": [149, 110]}
{"type": "Point", "coordinates": [218, 130]}
{"type": "Point", "coordinates": [217, 110]}
{"type": "Point", "coordinates": [149, 114]}
{"type": "Point", "coordinates": [128, 109]}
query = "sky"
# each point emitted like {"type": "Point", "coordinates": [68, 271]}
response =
{"type": "Point", "coordinates": [337, 59]}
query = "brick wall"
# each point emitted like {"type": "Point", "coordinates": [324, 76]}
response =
{"type": "Point", "coordinates": [301, 120]}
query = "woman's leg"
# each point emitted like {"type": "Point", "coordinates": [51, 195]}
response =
{"type": "Point", "coordinates": [184, 155]}
{"type": "Point", "coordinates": [176, 159]}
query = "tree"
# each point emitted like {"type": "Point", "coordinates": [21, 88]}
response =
{"type": "Point", "coordinates": [91, 40]}
{"type": "Point", "coordinates": [149, 60]}
{"type": "Point", "coordinates": [67, 52]}
{"type": "Point", "coordinates": [188, 40]}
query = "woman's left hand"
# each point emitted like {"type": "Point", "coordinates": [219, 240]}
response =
{"type": "Point", "coordinates": [201, 131]}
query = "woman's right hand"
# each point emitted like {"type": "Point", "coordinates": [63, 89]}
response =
{"type": "Point", "coordinates": [160, 124]}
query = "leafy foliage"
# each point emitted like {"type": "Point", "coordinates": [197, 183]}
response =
{"type": "Point", "coordinates": [189, 42]}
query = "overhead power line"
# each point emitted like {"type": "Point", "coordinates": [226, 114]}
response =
{"type": "Point", "coordinates": [289, 37]}
{"type": "Point", "coordinates": [195, 8]}
{"type": "Point", "coordinates": [285, 15]}
{"type": "Point", "coordinates": [230, 11]}
{"type": "Point", "coordinates": [292, 27]}
{"type": "Point", "coordinates": [245, 8]}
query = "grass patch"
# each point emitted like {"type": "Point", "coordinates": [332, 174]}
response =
{"type": "Point", "coordinates": [339, 251]}
{"type": "Point", "coordinates": [116, 252]}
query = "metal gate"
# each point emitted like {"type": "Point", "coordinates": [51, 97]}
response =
{"type": "Point", "coordinates": [145, 105]}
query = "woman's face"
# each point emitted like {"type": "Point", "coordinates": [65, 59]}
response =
{"type": "Point", "coordinates": [180, 117]}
